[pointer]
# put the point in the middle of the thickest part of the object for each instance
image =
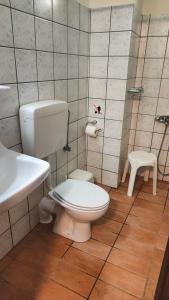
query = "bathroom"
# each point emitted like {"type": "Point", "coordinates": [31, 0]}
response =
{"type": "Point", "coordinates": [101, 68]}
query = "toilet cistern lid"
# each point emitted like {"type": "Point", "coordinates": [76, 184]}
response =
{"type": "Point", "coordinates": [82, 194]}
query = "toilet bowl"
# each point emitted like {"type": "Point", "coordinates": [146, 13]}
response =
{"type": "Point", "coordinates": [80, 203]}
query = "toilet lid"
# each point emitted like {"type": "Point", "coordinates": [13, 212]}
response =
{"type": "Point", "coordinates": [80, 194]}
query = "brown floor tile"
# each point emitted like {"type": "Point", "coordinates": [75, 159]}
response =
{"type": "Point", "coordinates": [139, 234]}
{"type": "Point", "coordinates": [93, 247]}
{"type": "Point", "coordinates": [22, 277]}
{"type": "Point", "coordinates": [145, 211]}
{"type": "Point", "coordinates": [51, 290]}
{"type": "Point", "coordinates": [5, 262]}
{"type": "Point", "coordinates": [43, 263]}
{"type": "Point", "coordinates": [164, 226]}
{"type": "Point", "coordinates": [84, 261]}
{"type": "Point", "coordinates": [103, 235]}
{"type": "Point", "coordinates": [150, 290]}
{"type": "Point", "coordinates": [104, 291]}
{"type": "Point", "coordinates": [73, 278]}
{"type": "Point", "coordinates": [134, 247]}
{"type": "Point", "coordinates": [108, 224]}
{"type": "Point", "coordinates": [119, 206]}
{"type": "Point", "coordinates": [130, 262]}
{"type": "Point", "coordinates": [143, 222]}
{"type": "Point", "coordinates": [116, 215]}
{"type": "Point", "coordinates": [149, 206]}
{"type": "Point", "coordinates": [9, 292]}
{"type": "Point", "coordinates": [155, 270]}
{"type": "Point", "coordinates": [105, 187]}
{"type": "Point", "coordinates": [161, 242]}
{"type": "Point", "coordinates": [121, 197]}
{"type": "Point", "coordinates": [46, 233]}
{"type": "Point", "coordinates": [124, 280]}
{"type": "Point", "coordinates": [151, 198]}
{"type": "Point", "coordinates": [149, 189]}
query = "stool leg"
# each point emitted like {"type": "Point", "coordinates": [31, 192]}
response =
{"type": "Point", "coordinates": [132, 180]}
{"type": "Point", "coordinates": [125, 171]}
{"type": "Point", "coordinates": [146, 175]}
{"type": "Point", "coordinates": [155, 179]}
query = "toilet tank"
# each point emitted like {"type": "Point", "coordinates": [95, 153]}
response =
{"type": "Point", "coordinates": [43, 127]}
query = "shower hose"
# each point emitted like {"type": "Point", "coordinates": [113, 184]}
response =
{"type": "Point", "coordinates": [158, 157]}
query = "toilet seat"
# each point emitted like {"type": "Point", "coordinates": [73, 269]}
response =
{"type": "Point", "coordinates": [80, 195]}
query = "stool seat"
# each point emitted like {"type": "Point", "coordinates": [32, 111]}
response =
{"type": "Point", "coordinates": [138, 159]}
{"type": "Point", "coordinates": [142, 157]}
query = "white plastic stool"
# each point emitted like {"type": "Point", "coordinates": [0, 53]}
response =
{"type": "Point", "coordinates": [139, 159]}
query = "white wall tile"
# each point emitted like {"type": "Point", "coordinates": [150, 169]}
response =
{"type": "Point", "coordinates": [46, 90]}
{"type": "Point", "coordinates": [148, 106]}
{"type": "Point", "coordinates": [26, 65]}
{"type": "Point", "coordinates": [34, 217]}
{"type": "Point", "coordinates": [114, 110]}
{"type": "Point", "coordinates": [118, 67]}
{"type": "Point", "coordinates": [164, 90]}
{"type": "Point", "coordinates": [96, 173]}
{"type": "Point", "coordinates": [97, 88]}
{"type": "Point", "coordinates": [113, 129]}
{"type": "Point", "coordinates": [44, 40]}
{"type": "Point", "coordinates": [156, 47]}
{"type": "Point", "coordinates": [153, 68]}
{"type": "Point", "coordinates": [4, 222]}
{"type": "Point", "coordinates": [116, 89]}
{"type": "Point", "coordinates": [10, 131]}
{"type": "Point", "coordinates": [7, 65]}
{"type": "Point", "coordinates": [5, 243]}
{"type": "Point", "coordinates": [28, 92]}
{"type": "Point", "coordinates": [60, 11]}
{"type": "Point", "coordinates": [6, 38]}
{"type": "Point", "coordinates": [98, 67]}
{"type": "Point", "coordinates": [151, 87]}
{"type": "Point", "coordinates": [20, 229]}
{"type": "Point", "coordinates": [61, 90]}
{"type": "Point", "coordinates": [73, 14]}
{"type": "Point", "coordinates": [120, 43]}
{"type": "Point", "coordinates": [145, 122]}
{"type": "Point", "coordinates": [110, 179]}
{"type": "Point", "coordinates": [24, 5]}
{"type": "Point", "coordinates": [60, 38]}
{"type": "Point", "coordinates": [9, 102]}
{"type": "Point", "coordinates": [35, 197]}
{"type": "Point", "coordinates": [95, 144]}
{"type": "Point", "coordinates": [45, 66]}
{"type": "Point", "coordinates": [159, 26]}
{"type": "Point", "coordinates": [99, 44]}
{"type": "Point", "coordinates": [110, 163]}
{"type": "Point", "coordinates": [94, 159]}
{"type": "Point", "coordinates": [143, 139]}
{"type": "Point", "coordinates": [43, 9]}
{"type": "Point", "coordinates": [111, 146]}
{"type": "Point", "coordinates": [18, 211]}
{"type": "Point", "coordinates": [100, 20]}
{"type": "Point", "coordinates": [121, 18]}
{"type": "Point", "coordinates": [60, 66]}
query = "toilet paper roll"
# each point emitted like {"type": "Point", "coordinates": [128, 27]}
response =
{"type": "Point", "coordinates": [92, 131]}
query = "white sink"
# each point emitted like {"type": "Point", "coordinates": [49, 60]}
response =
{"type": "Point", "coordinates": [19, 175]}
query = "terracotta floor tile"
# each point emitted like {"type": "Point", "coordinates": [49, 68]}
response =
{"type": "Point", "coordinates": [73, 278]}
{"type": "Point", "coordinates": [139, 234]}
{"type": "Point", "coordinates": [151, 198]}
{"type": "Point", "coordinates": [116, 215]}
{"type": "Point", "coordinates": [108, 224]}
{"type": "Point", "coordinates": [104, 291]}
{"type": "Point", "coordinates": [9, 292]}
{"type": "Point", "coordinates": [43, 263]}
{"type": "Point", "coordinates": [119, 206]}
{"type": "Point", "coordinates": [5, 262]}
{"type": "Point", "coordinates": [51, 290]}
{"type": "Point", "coordinates": [160, 184]}
{"type": "Point", "coordinates": [126, 281]}
{"type": "Point", "coordinates": [146, 212]}
{"type": "Point", "coordinates": [149, 206]}
{"type": "Point", "coordinates": [84, 261]}
{"type": "Point", "coordinates": [150, 290]}
{"type": "Point", "coordinates": [105, 187]}
{"type": "Point", "coordinates": [164, 226]}
{"type": "Point", "coordinates": [152, 225]}
{"type": "Point", "coordinates": [161, 242]}
{"type": "Point", "coordinates": [45, 232]}
{"type": "Point", "coordinates": [22, 277]}
{"type": "Point", "coordinates": [134, 247]}
{"type": "Point", "coordinates": [149, 189]}
{"type": "Point", "coordinates": [155, 270]}
{"type": "Point", "coordinates": [103, 235]}
{"type": "Point", "coordinates": [121, 197]}
{"type": "Point", "coordinates": [130, 262]}
{"type": "Point", "coordinates": [93, 247]}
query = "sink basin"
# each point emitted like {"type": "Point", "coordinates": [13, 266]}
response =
{"type": "Point", "coordinates": [19, 175]}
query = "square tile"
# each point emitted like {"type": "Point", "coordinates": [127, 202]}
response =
{"type": "Point", "coordinates": [111, 146]}
{"type": "Point", "coordinates": [6, 242]}
{"type": "Point", "coordinates": [164, 93]}
{"type": "Point", "coordinates": [100, 19]}
{"type": "Point", "coordinates": [97, 88]}
{"type": "Point", "coordinates": [113, 129]}
{"type": "Point", "coordinates": [151, 87]}
{"type": "Point", "coordinates": [84, 18]}
{"type": "Point", "coordinates": [45, 66]}
{"type": "Point", "coordinates": [103, 235]}
{"type": "Point", "coordinates": [28, 92]}
{"type": "Point", "coordinates": [60, 33]}
{"type": "Point", "coordinates": [61, 90]}
{"type": "Point", "coordinates": [105, 291]}
{"type": "Point", "coordinates": [153, 68]}
{"type": "Point", "coordinates": [73, 14]}
{"type": "Point", "coordinates": [123, 279]}
{"type": "Point", "coordinates": [46, 90]}
{"type": "Point", "coordinates": [84, 261]}
{"type": "Point", "coordinates": [120, 43]}
{"type": "Point", "coordinates": [7, 65]}
{"type": "Point", "coordinates": [159, 26]}
{"type": "Point", "coordinates": [44, 39]}
{"type": "Point", "coordinates": [72, 90]}
{"type": "Point", "coordinates": [10, 131]}
{"type": "Point", "coordinates": [60, 66]}
{"type": "Point", "coordinates": [148, 106]}
{"type": "Point", "coordinates": [26, 65]}
{"type": "Point", "coordinates": [73, 41]}
{"type": "Point", "coordinates": [145, 122]}
{"type": "Point", "coordinates": [156, 47]}
{"type": "Point", "coordinates": [118, 67]}
{"type": "Point", "coordinates": [83, 66]}
{"type": "Point", "coordinates": [83, 43]}
{"type": "Point", "coordinates": [143, 139]}
{"type": "Point", "coordinates": [35, 197]}
{"type": "Point", "coordinates": [4, 222]}
{"type": "Point", "coordinates": [95, 144]}
{"type": "Point", "coordinates": [116, 89]}
{"type": "Point", "coordinates": [110, 179]}
{"type": "Point", "coordinates": [24, 5]}
{"type": "Point", "coordinates": [83, 88]}
{"type": "Point", "coordinates": [99, 44]}
{"type": "Point", "coordinates": [98, 67]}
{"type": "Point", "coordinates": [24, 31]}
{"type": "Point", "coordinates": [20, 229]}
{"type": "Point", "coordinates": [122, 18]}
{"type": "Point", "coordinates": [18, 211]}
{"type": "Point", "coordinates": [60, 11]}
{"type": "Point", "coordinates": [94, 248]}
{"type": "Point", "coordinates": [73, 66]}
{"type": "Point", "coordinates": [9, 102]}
{"type": "Point", "coordinates": [110, 163]}
{"type": "Point", "coordinates": [43, 9]}
{"type": "Point", "coordinates": [94, 159]}
{"type": "Point", "coordinates": [6, 27]}
{"type": "Point", "coordinates": [73, 278]}
{"type": "Point", "coordinates": [114, 110]}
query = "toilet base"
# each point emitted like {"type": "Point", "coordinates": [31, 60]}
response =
{"type": "Point", "coordinates": [70, 228]}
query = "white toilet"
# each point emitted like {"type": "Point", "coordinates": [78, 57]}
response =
{"type": "Point", "coordinates": [43, 131]}
{"type": "Point", "coordinates": [81, 202]}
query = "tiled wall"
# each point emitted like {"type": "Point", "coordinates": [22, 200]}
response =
{"type": "Point", "coordinates": [113, 52]}
{"type": "Point", "coordinates": [44, 48]}
{"type": "Point", "coordinates": [153, 75]}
